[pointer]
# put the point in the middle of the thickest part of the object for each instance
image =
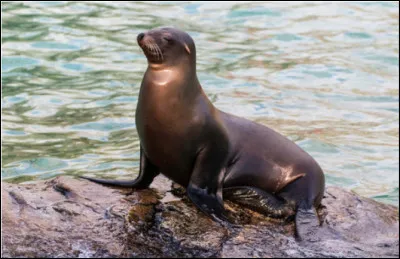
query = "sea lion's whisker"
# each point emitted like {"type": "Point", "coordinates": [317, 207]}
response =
{"type": "Point", "coordinates": [150, 47]}
{"type": "Point", "coordinates": [154, 46]}
{"type": "Point", "coordinates": [159, 50]}
{"type": "Point", "coordinates": [153, 50]}
{"type": "Point", "coordinates": [147, 46]}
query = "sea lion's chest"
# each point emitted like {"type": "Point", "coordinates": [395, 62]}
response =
{"type": "Point", "coordinates": [164, 122]}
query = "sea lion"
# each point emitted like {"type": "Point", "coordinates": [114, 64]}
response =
{"type": "Point", "coordinates": [214, 154]}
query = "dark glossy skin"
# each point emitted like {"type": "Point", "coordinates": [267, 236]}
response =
{"type": "Point", "coordinates": [213, 153]}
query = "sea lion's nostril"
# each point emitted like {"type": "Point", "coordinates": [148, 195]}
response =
{"type": "Point", "coordinates": [140, 36]}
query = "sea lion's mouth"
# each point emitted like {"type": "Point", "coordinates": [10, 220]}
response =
{"type": "Point", "coordinates": [152, 51]}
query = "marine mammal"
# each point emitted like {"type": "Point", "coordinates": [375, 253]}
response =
{"type": "Point", "coordinates": [215, 155]}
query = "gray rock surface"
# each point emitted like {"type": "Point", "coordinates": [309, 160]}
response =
{"type": "Point", "coordinates": [68, 217]}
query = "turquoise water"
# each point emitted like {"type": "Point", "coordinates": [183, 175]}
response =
{"type": "Point", "coordinates": [324, 74]}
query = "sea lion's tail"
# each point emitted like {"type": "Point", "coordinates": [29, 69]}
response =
{"type": "Point", "coordinates": [129, 183]}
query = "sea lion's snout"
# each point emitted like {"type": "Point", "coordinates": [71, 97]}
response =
{"type": "Point", "coordinates": [148, 43]}
{"type": "Point", "coordinates": [140, 36]}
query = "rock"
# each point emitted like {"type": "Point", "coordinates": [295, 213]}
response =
{"type": "Point", "coordinates": [67, 217]}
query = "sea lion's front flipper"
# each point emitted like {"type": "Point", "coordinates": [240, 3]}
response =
{"type": "Point", "coordinates": [205, 185]}
{"type": "Point", "coordinates": [147, 172]}
{"type": "Point", "coordinates": [207, 203]}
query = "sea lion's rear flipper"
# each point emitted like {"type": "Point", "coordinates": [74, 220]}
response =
{"type": "Point", "coordinates": [259, 200]}
{"type": "Point", "coordinates": [307, 225]}
{"type": "Point", "coordinates": [147, 172]}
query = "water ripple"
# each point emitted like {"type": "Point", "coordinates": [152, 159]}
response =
{"type": "Point", "coordinates": [325, 74]}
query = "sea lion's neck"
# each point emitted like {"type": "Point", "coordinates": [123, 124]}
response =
{"type": "Point", "coordinates": [170, 81]}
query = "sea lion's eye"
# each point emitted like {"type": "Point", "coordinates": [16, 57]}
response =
{"type": "Point", "coordinates": [168, 39]}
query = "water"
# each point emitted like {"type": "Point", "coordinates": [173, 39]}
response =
{"type": "Point", "coordinates": [325, 74]}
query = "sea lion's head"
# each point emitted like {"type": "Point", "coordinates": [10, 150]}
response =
{"type": "Point", "coordinates": [167, 46]}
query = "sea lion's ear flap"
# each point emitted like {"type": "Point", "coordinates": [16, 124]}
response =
{"type": "Point", "coordinates": [186, 48]}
